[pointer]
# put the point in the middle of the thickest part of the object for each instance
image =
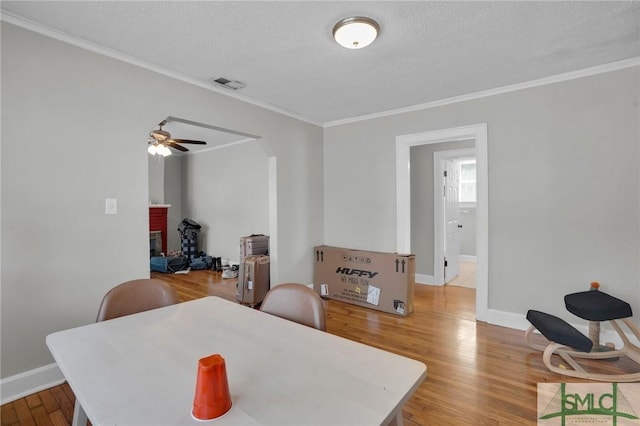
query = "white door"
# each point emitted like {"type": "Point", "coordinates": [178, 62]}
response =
{"type": "Point", "coordinates": [451, 220]}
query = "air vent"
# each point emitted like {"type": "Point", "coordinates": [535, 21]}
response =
{"type": "Point", "coordinates": [228, 84]}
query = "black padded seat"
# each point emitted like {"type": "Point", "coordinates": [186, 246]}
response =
{"type": "Point", "coordinates": [558, 330]}
{"type": "Point", "coordinates": [594, 305]}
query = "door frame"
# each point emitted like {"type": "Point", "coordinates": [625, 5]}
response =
{"type": "Point", "coordinates": [438, 207]}
{"type": "Point", "coordinates": [478, 133]}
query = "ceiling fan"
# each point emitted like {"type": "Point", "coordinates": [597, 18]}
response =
{"type": "Point", "coordinates": [160, 141]}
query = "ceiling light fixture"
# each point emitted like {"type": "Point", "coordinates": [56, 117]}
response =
{"type": "Point", "coordinates": [356, 32]}
{"type": "Point", "coordinates": [159, 148]}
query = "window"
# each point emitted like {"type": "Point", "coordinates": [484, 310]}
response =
{"type": "Point", "coordinates": [467, 192]}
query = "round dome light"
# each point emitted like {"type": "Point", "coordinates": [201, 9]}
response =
{"type": "Point", "coordinates": [356, 32]}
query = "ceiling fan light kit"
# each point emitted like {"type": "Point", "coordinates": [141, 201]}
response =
{"type": "Point", "coordinates": [356, 32]}
{"type": "Point", "coordinates": [159, 149]}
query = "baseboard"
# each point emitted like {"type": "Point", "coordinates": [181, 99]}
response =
{"type": "Point", "coordinates": [467, 258]}
{"type": "Point", "coordinates": [424, 279]}
{"type": "Point", "coordinates": [29, 382]}
{"type": "Point", "coordinates": [520, 322]}
{"type": "Point", "coordinates": [507, 319]}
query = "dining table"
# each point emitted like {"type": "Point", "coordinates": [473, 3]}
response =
{"type": "Point", "coordinates": [141, 369]}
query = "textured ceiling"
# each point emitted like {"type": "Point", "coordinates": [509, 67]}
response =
{"type": "Point", "coordinates": [284, 52]}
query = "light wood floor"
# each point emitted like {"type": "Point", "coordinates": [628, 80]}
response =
{"type": "Point", "coordinates": [477, 374]}
{"type": "Point", "coordinates": [466, 275]}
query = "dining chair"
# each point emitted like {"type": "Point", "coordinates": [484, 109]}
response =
{"type": "Point", "coordinates": [136, 296]}
{"type": "Point", "coordinates": [295, 302]}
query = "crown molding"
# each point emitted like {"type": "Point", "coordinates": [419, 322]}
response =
{"type": "Point", "coordinates": [599, 69]}
{"type": "Point", "coordinates": [114, 54]}
{"type": "Point", "coordinates": [102, 50]}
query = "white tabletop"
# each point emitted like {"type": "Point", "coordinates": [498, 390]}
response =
{"type": "Point", "coordinates": [141, 369]}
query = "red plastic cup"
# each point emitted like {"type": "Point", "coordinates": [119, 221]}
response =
{"type": "Point", "coordinates": [212, 397]}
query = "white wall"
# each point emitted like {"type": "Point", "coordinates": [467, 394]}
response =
{"type": "Point", "coordinates": [74, 131]}
{"type": "Point", "coordinates": [564, 187]}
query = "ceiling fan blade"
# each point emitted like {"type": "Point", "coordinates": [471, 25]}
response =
{"type": "Point", "coordinates": [172, 144]}
{"type": "Point", "coordinates": [188, 141]}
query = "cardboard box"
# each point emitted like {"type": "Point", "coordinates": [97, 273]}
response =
{"type": "Point", "coordinates": [376, 280]}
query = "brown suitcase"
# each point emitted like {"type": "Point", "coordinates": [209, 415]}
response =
{"type": "Point", "coordinates": [253, 245]}
{"type": "Point", "coordinates": [253, 280]}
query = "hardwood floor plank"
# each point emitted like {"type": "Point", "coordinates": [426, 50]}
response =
{"type": "Point", "coordinates": [48, 401]}
{"type": "Point", "coordinates": [33, 401]}
{"type": "Point", "coordinates": [41, 416]}
{"type": "Point", "coordinates": [477, 374]}
{"type": "Point", "coordinates": [24, 414]}
{"type": "Point", "coordinates": [67, 391]}
{"type": "Point", "coordinates": [8, 415]}
{"type": "Point", "coordinates": [63, 402]}
{"type": "Point", "coordinates": [58, 419]}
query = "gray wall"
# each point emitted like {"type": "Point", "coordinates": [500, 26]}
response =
{"type": "Point", "coordinates": [564, 184]}
{"type": "Point", "coordinates": [156, 179]}
{"type": "Point", "coordinates": [164, 188]}
{"type": "Point", "coordinates": [422, 209]}
{"type": "Point", "coordinates": [173, 196]}
{"type": "Point", "coordinates": [226, 191]}
{"type": "Point", "coordinates": [74, 131]}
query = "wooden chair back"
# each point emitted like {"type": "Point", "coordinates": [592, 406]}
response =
{"type": "Point", "coordinates": [136, 296]}
{"type": "Point", "coordinates": [295, 302]}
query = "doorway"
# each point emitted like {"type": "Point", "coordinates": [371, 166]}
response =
{"type": "Point", "coordinates": [478, 133]}
{"type": "Point", "coordinates": [207, 185]}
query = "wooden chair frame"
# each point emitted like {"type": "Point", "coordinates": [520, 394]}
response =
{"type": "Point", "coordinates": [568, 354]}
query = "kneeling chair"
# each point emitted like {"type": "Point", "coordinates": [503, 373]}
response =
{"type": "Point", "coordinates": [566, 341]}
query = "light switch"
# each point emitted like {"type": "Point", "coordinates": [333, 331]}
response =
{"type": "Point", "coordinates": [111, 206]}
